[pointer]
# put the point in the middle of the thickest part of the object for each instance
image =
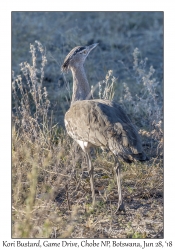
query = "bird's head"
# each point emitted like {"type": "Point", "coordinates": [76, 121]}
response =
{"type": "Point", "coordinates": [77, 56]}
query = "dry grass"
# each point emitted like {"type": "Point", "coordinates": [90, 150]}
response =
{"type": "Point", "coordinates": [51, 196]}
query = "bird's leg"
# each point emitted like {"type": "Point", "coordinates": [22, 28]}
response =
{"type": "Point", "coordinates": [91, 170]}
{"type": "Point", "coordinates": [116, 168]}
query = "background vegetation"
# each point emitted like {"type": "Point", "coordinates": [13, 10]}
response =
{"type": "Point", "coordinates": [50, 186]}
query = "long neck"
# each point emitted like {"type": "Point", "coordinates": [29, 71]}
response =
{"type": "Point", "coordinates": [81, 89]}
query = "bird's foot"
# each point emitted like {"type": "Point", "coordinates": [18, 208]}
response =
{"type": "Point", "coordinates": [121, 208]}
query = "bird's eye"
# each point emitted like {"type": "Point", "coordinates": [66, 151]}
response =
{"type": "Point", "coordinates": [83, 52]}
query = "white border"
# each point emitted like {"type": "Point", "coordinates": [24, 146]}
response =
{"type": "Point", "coordinates": [5, 93]}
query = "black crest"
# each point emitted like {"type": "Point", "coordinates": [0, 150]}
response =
{"type": "Point", "coordinates": [73, 52]}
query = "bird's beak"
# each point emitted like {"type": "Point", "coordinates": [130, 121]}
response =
{"type": "Point", "coordinates": [91, 47]}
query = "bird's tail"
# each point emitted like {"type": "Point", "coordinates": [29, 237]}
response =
{"type": "Point", "coordinates": [133, 157]}
{"type": "Point", "coordinates": [141, 157]}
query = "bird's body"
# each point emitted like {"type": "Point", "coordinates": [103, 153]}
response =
{"type": "Point", "coordinates": [103, 123]}
{"type": "Point", "coordinates": [99, 123]}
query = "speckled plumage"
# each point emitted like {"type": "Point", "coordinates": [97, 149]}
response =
{"type": "Point", "coordinates": [103, 123]}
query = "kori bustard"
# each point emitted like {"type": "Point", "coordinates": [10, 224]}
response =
{"type": "Point", "coordinates": [100, 123]}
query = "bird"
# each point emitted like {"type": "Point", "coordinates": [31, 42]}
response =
{"type": "Point", "coordinates": [99, 122]}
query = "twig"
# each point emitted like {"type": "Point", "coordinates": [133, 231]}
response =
{"type": "Point", "coordinates": [67, 197]}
